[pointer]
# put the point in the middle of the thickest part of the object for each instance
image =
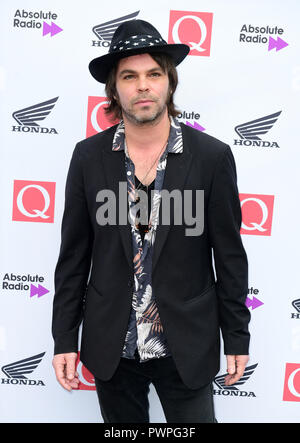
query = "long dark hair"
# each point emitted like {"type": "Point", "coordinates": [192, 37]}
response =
{"type": "Point", "coordinates": [114, 110]}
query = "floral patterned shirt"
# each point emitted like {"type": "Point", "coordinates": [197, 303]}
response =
{"type": "Point", "coordinates": [145, 331]}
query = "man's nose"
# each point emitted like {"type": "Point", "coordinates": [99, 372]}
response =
{"type": "Point", "coordinates": [143, 84]}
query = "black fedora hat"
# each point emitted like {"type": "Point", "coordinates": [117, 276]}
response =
{"type": "Point", "coordinates": [131, 38]}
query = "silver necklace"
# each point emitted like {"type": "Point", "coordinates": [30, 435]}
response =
{"type": "Point", "coordinates": [137, 198]}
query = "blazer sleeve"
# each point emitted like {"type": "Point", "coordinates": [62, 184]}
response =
{"type": "Point", "coordinates": [73, 265]}
{"type": "Point", "coordinates": [230, 259]}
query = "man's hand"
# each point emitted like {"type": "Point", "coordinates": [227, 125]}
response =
{"type": "Point", "coordinates": [235, 367]}
{"type": "Point", "coordinates": [64, 366]}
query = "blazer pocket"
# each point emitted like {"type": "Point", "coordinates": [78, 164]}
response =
{"type": "Point", "coordinates": [211, 288]}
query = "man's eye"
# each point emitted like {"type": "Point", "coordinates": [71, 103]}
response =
{"type": "Point", "coordinates": [128, 77]}
{"type": "Point", "coordinates": [155, 74]}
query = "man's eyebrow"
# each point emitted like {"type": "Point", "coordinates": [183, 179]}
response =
{"type": "Point", "coordinates": [158, 68]}
{"type": "Point", "coordinates": [131, 71]}
{"type": "Point", "coordinates": [127, 71]}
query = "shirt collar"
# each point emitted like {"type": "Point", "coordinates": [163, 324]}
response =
{"type": "Point", "coordinates": [175, 143]}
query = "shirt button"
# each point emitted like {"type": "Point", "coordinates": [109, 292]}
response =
{"type": "Point", "coordinates": [128, 173]}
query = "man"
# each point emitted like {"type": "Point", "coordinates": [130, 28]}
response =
{"type": "Point", "coordinates": [146, 290]}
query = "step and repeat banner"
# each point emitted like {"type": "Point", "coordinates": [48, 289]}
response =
{"type": "Point", "coordinates": [241, 84]}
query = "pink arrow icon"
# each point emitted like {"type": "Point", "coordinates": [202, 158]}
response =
{"type": "Point", "coordinates": [253, 303]}
{"type": "Point", "coordinates": [53, 29]}
{"type": "Point", "coordinates": [278, 44]}
{"type": "Point", "coordinates": [39, 290]}
{"type": "Point", "coordinates": [196, 126]}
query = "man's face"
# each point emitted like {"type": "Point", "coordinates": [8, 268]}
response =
{"type": "Point", "coordinates": [143, 89]}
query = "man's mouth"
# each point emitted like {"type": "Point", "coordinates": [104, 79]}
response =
{"type": "Point", "coordinates": [144, 102]}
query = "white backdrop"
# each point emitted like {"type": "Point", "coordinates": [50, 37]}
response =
{"type": "Point", "coordinates": [237, 81]}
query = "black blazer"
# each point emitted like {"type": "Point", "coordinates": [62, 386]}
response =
{"type": "Point", "coordinates": [195, 298]}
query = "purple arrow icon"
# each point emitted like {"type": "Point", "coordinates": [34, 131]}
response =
{"type": "Point", "coordinates": [39, 290]}
{"type": "Point", "coordinates": [278, 44]}
{"type": "Point", "coordinates": [253, 303]}
{"type": "Point", "coordinates": [196, 126]}
{"type": "Point", "coordinates": [53, 29]}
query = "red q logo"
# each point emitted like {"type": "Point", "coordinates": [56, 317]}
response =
{"type": "Point", "coordinates": [193, 29]}
{"type": "Point", "coordinates": [33, 201]}
{"type": "Point", "coordinates": [291, 390]}
{"type": "Point", "coordinates": [257, 214]}
{"type": "Point", "coordinates": [97, 121]}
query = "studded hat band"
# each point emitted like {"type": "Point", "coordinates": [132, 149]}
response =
{"type": "Point", "coordinates": [137, 41]}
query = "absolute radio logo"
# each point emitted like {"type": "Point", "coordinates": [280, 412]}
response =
{"type": "Point", "coordinates": [250, 132]}
{"type": "Point", "coordinates": [17, 283]}
{"type": "Point", "coordinates": [291, 390]}
{"type": "Point", "coordinates": [253, 302]}
{"type": "Point", "coordinates": [97, 120]}
{"type": "Point", "coordinates": [33, 201]}
{"type": "Point", "coordinates": [36, 20]}
{"type": "Point", "coordinates": [191, 118]}
{"type": "Point", "coordinates": [263, 35]}
{"type": "Point", "coordinates": [28, 118]}
{"type": "Point", "coordinates": [192, 28]}
{"type": "Point", "coordinates": [17, 372]}
{"type": "Point", "coordinates": [105, 31]}
{"type": "Point", "coordinates": [233, 391]}
{"type": "Point", "coordinates": [257, 214]}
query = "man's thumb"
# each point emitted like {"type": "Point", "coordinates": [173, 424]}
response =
{"type": "Point", "coordinates": [231, 365]}
{"type": "Point", "coordinates": [71, 367]}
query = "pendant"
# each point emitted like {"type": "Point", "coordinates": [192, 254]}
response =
{"type": "Point", "coordinates": [137, 197]}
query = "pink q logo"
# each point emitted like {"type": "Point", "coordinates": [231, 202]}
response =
{"type": "Point", "coordinates": [33, 201]}
{"type": "Point", "coordinates": [257, 214]}
{"type": "Point", "coordinates": [291, 390]}
{"type": "Point", "coordinates": [193, 29]}
{"type": "Point", "coordinates": [97, 120]}
{"type": "Point", "coordinates": [86, 379]}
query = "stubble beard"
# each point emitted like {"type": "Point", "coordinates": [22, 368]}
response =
{"type": "Point", "coordinates": [142, 118]}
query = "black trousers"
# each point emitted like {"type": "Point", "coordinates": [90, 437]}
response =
{"type": "Point", "coordinates": [124, 398]}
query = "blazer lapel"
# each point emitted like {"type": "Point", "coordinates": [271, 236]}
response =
{"type": "Point", "coordinates": [177, 169]}
{"type": "Point", "coordinates": [114, 167]}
